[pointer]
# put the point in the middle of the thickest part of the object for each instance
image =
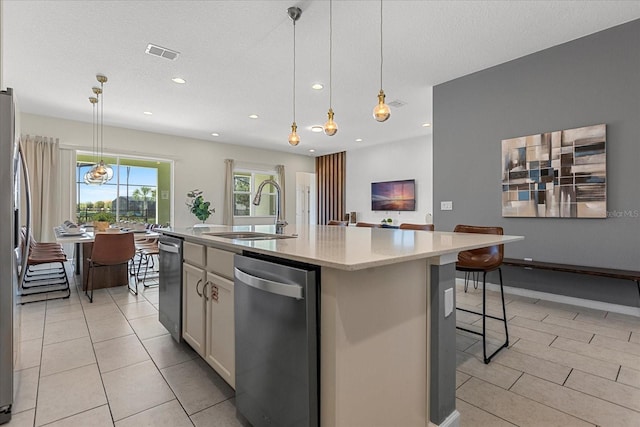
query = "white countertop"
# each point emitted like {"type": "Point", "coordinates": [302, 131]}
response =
{"type": "Point", "coordinates": [346, 248]}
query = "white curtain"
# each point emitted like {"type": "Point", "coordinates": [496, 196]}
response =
{"type": "Point", "coordinates": [280, 172]}
{"type": "Point", "coordinates": [48, 208]}
{"type": "Point", "coordinates": [227, 210]}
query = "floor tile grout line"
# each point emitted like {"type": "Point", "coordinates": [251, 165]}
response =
{"type": "Point", "coordinates": [557, 409]}
{"type": "Point", "coordinates": [490, 413]}
{"type": "Point", "coordinates": [517, 379]}
{"type": "Point", "coordinates": [603, 398]}
{"type": "Point", "coordinates": [618, 374]}
{"type": "Point", "coordinates": [566, 379]}
{"type": "Point", "coordinates": [104, 389]}
{"type": "Point", "coordinates": [72, 415]}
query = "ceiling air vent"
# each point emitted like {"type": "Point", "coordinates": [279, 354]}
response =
{"type": "Point", "coordinates": [397, 103]}
{"type": "Point", "coordinates": [162, 52]}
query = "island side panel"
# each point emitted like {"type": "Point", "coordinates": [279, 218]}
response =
{"type": "Point", "coordinates": [442, 385]}
{"type": "Point", "coordinates": [373, 360]}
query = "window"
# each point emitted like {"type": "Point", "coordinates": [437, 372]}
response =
{"type": "Point", "coordinates": [245, 184]}
{"type": "Point", "coordinates": [139, 191]}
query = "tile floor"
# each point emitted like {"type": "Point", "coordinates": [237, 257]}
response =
{"type": "Point", "coordinates": [565, 365]}
{"type": "Point", "coordinates": [111, 363]}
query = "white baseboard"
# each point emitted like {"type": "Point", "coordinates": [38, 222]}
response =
{"type": "Point", "coordinates": [597, 305]}
{"type": "Point", "coordinates": [453, 420]}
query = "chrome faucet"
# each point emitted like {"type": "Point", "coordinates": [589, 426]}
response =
{"type": "Point", "coordinates": [280, 222]}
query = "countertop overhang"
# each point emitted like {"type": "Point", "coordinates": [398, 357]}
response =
{"type": "Point", "coordinates": [345, 248]}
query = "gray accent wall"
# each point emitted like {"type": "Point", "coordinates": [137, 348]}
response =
{"type": "Point", "coordinates": [442, 380]}
{"type": "Point", "coordinates": [591, 80]}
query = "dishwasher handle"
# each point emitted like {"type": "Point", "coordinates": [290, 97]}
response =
{"type": "Point", "coordinates": [174, 249]}
{"type": "Point", "coordinates": [284, 289]}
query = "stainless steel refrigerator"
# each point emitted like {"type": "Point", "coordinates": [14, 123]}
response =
{"type": "Point", "coordinates": [11, 274]}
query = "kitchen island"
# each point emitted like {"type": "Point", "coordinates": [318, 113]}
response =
{"type": "Point", "coordinates": [387, 343]}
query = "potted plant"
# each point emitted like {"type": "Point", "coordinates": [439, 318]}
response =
{"type": "Point", "coordinates": [198, 206]}
{"type": "Point", "coordinates": [101, 221]}
{"type": "Point", "coordinates": [387, 221]}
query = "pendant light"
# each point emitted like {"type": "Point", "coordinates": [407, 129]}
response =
{"type": "Point", "coordinates": [381, 112]}
{"type": "Point", "coordinates": [102, 169]}
{"type": "Point", "coordinates": [330, 127]}
{"type": "Point", "coordinates": [294, 13]}
{"type": "Point", "coordinates": [91, 177]}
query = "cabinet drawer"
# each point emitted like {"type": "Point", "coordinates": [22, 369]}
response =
{"type": "Point", "coordinates": [220, 262]}
{"type": "Point", "coordinates": [194, 253]}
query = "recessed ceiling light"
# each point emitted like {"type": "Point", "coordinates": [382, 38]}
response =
{"type": "Point", "coordinates": [317, 128]}
{"type": "Point", "coordinates": [426, 125]}
{"type": "Point", "coordinates": [253, 116]}
{"type": "Point", "coordinates": [312, 151]}
{"type": "Point", "coordinates": [317, 86]}
{"type": "Point", "coordinates": [148, 113]}
{"type": "Point", "coordinates": [215, 134]}
{"type": "Point", "coordinates": [358, 139]}
{"type": "Point", "coordinates": [178, 80]}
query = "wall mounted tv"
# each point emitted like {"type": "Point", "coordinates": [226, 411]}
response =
{"type": "Point", "coordinates": [393, 195]}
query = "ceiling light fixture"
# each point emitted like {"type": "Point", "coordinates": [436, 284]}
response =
{"type": "Point", "coordinates": [330, 127]}
{"type": "Point", "coordinates": [90, 177]}
{"type": "Point", "coordinates": [253, 116]}
{"type": "Point", "coordinates": [215, 134]}
{"type": "Point", "coordinates": [312, 151]}
{"type": "Point", "coordinates": [100, 172]}
{"type": "Point", "coordinates": [358, 139]}
{"type": "Point", "coordinates": [381, 112]}
{"type": "Point", "coordinates": [426, 125]}
{"type": "Point", "coordinates": [317, 86]}
{"type": "Point", "coordinates": [147, 113]}
{"type": "Point", "coordinates": [294, 13]}
{"type": "Point", "coordinates": [317, 129]}
{"type": "Point", "coordinates": [178, 80]}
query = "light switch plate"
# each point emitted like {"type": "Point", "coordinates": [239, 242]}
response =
{"type": "Point", "coordinates": [446, 206]}
{"type": "Point", "coordinates": [448, 302]}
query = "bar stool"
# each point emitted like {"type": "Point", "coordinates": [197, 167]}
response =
{"type": "Point", "coordinates": [339, 223]}
{"type": "Point", "coordinates": [424, 227]}
{"type": "Point", "coordinates": [483, 260]}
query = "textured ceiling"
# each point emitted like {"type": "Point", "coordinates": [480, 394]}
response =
{"type": "Point", "coordinates": [236, 57]}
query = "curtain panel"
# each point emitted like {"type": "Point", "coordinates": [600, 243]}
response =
{"type": "Point", "coordinates": [227, 208]}
{"type": "Point", "coordinates": [331, 184]}
{"type": "Point", "coordinates": [49, 183]}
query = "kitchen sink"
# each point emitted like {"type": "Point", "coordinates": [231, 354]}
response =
{"type": "Point", "coordinates": [248, 235]}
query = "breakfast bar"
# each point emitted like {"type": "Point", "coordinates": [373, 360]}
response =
{"type": "Point", "coordinates": [387, 337]}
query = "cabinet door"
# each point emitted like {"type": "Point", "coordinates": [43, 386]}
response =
{"type": "Point", "coordinates": [220, 352]}
{"type": "Point", "coordinates": [193, 307]}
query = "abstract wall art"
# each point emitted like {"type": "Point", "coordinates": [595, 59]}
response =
{"type": "Point", "coordinates": [561, 174]}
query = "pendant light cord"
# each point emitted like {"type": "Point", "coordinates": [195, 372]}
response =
{"type": "Point", "coordinates": [102, 121]}
{"type": "Point", "coordinates": [381, 57]}
{"type": "Point", "coordinates": [330, 54]}
{"type": "Point", "coordinates": [94, 131]}
{"type": "Point", "coordinates": [294, 71]}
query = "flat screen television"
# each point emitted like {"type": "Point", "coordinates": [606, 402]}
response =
{"type": "Point", "coordinates": [393, 195]}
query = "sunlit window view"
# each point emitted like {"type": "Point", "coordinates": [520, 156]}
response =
{"type": "Point", "coordinates": [132, 195]}
{"type": "Point", "coordinates": [245, 184]}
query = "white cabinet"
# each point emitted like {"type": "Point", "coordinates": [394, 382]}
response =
{"type": "Point", "coordinates": [208, 315]}
{"type": "Point", "coordinates": [193, 308]}
{"type": "Point", "coordinates": [220, 343]}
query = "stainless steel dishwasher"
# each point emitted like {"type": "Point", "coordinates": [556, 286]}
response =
{"type": "Point", "coordinates": [276, 321]}
{"type": "Point", "coordinates": [170, 288]}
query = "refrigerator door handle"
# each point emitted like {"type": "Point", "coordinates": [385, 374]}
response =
{"type": "Point", "coordinates": [27, 187]}
{"type": "Point", "coordinates": [284, 289]}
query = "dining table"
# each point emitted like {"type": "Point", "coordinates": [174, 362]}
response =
{"type": "Point", "coordinates": [82, 238]}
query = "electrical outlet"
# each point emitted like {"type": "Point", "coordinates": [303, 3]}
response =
{"type": "Point", "coordinates": [448, 302]}
{"type": "Point", "coordinates": [446, 206]}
